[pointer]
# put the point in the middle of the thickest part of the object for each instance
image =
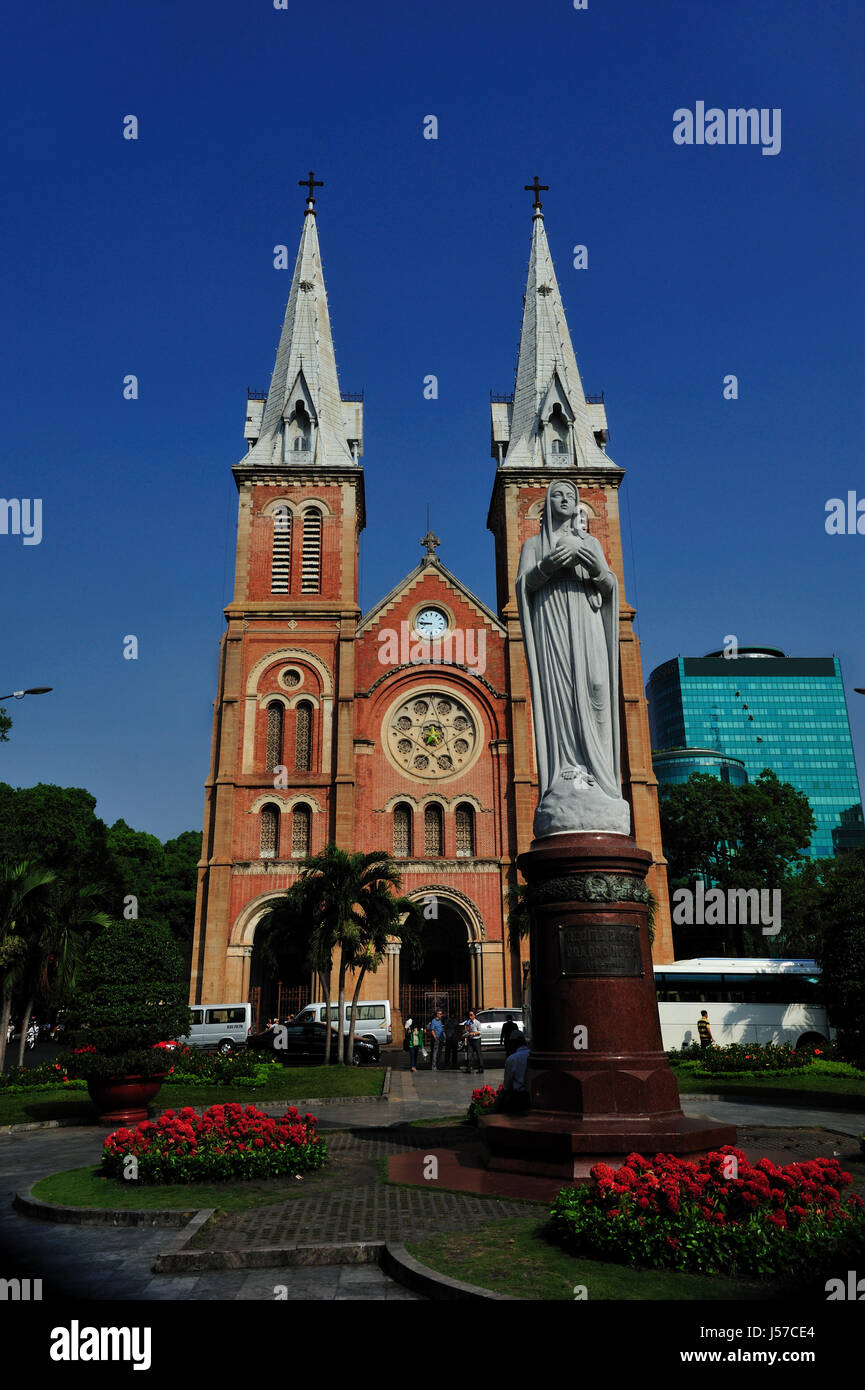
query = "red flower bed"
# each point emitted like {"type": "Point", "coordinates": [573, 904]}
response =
{"type": "Point", "coordinates": [227, 1142]}
{"type": "Point", "coordinates": [720, 1214]}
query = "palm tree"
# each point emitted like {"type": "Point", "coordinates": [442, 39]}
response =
{"type": "Point", "coordinates": [22, 888]}
{"type": "Point", "coordinates": [327, 907]}
{"type": "Point", "coordinates": [55, 933]}
{"type": "Point", "coordinates": [382, 917]}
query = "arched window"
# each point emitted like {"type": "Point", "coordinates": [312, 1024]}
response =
{"type": "Point", "coordinates": [433, 834]}
{"type": "Point", "coordinates": [280, 566]}
{"type": "Point", "coordinates": [465, 819]}
{"type": "Point", "coordinates": [402, 831]}
{"type": "Point", "coordinates": [301, 822]}
{"type": "Point", "coordinates": [310, 582]}
{"type": "Point", "coordinates": [269, 833]}
{"type": "Point", "coordinates": [273, 751]}
{"type": "Point", "coordinates": [303, 737]}
{"type": "Point", "coordinates": [298, 430]}
{"type": "Point", "coordinates": [558, 446]}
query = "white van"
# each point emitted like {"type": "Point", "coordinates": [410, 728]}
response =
{"type": "Point", "coordinates": [223, 1026]}
{"type": "Point", "coordinates": [372, 1019]}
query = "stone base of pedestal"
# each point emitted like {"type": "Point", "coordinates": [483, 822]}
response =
{"type": "Point", "coordinates": [550, 1144]}
{"type": "Point", "coordinates": [599, 1078]}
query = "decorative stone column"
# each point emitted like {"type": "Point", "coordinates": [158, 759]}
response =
{"type": "Point", "coordinates": [476, 959]}
{"type": "Point", "coordinates": [600, 1081]}
{"type": "Point", "coordinates": [238, 966]}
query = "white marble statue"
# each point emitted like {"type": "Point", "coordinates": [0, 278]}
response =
{"type": "Point", "coordinates": [569, 612]}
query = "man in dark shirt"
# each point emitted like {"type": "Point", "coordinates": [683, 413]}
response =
{"type": "Point", "coordinates": [508, 1028]}
{"type": "Point", "coordinates": [704, 1030]}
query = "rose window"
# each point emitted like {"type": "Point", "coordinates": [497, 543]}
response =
{"type": "Point", "coordinates": [432, 735]}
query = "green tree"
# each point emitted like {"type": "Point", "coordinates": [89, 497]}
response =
{"type": "Point", "coordinates": [22, 893]}
{"type": "Point", "coordinates": [735, 837]}
{"type": "Point", "coordinates": [161, 878]}
{"type": "Point", "coordinates": [841, 951]}
{"type": "Point", "coordinates": [382, 916]}
{"type": "Point", "coordinates": [56, 933]}
{"type": "Point", "coordinates": [56, 826]}
{"type": "Point", "coordinates": [5, 726]}
{"type": "Point", "coordinates": [131, 993]}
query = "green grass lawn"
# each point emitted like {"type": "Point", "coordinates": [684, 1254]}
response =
{"type": "Point", "coordinates": [801, 1082]}
{"type": "Point", "coordinates": [514, 1257]}
{"type": "Point", "coordinates": [84, 1187]}
{"type": "Point", "coordinates": [290, 1083]}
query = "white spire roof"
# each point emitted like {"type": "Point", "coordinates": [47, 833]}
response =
{"type": "Point", "coordinates": [548, 377]}
{"type": "Point", "coordinates": [305, 371]}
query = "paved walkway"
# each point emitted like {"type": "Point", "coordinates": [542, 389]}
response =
{"type": "Point", "coordinates": [345, 1202]}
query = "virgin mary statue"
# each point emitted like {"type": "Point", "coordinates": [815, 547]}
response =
{"type": "Point", "coordinates": [568, 600]}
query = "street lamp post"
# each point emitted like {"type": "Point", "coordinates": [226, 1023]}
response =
{"type": "Point", "coordinates": [34, 690]}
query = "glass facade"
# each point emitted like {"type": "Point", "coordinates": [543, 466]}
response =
{"type": "Point", "coordinates": [767, 710]}
{"type": "Point", "coordinates": [677, 765]}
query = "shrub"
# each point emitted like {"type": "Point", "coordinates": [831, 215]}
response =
{"type": "Point", "coordinates": [224, 1144]}
{"type": "Point", "coordinates": [192, 1066]}
{"type": "Point", "coordinates": [667, 1212]}
{"type": "Point", "coordinates": [754, 1057]}
{"type": "Point", "coordinates": [46, 1077]}
{"type": "Point", "coordinates": [130, 997]}
{"type": "Point", "coordinates": [483, 1099]}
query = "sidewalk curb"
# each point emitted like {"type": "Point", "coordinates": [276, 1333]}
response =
{"type": "Point", "coordinates": [48, 1124]}
{"type": "Point", "coordinates": [29, 1205]}
{"type": "Point", "coordinates": [179, 1260]}
{"type": "Point", "coordinates": [400, 1265]}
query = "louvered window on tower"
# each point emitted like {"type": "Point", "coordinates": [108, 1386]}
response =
{"type": "Point", "coordinates": [402, 831]}
{"type": "Point", "coordinates": [273, 752]}
{"type": "Point", "coordinates": [269, 833]}
{"type": "Point", "coordinates": [301, 818]}
{"type": "Point", "coordinates": [303, 738]}
{"type": "Point", "coordinates": [311, 564]}
{"type": "Point", "coordinates": [280, 572]}
{"type": "Point", "coordinates": [465, 826]}
{"type": "Point", "coordinates": [433, 831]}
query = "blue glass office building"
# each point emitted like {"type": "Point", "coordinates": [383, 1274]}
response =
{"type": "Point", "coordinates": [769, 710]}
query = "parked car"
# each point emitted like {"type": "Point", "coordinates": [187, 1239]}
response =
{"type": "Point", "coordinates": [491, 1021]}
{"type": "Point", "coordinates": [304, 1043]}
{"type": "Point", "coordinates": [223, 1026]}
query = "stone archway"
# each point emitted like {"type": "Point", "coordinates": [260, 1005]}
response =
{"type": "Point", "coordinates": [450, 975]}
{"type": "Point", "coordinates": [274, 992]}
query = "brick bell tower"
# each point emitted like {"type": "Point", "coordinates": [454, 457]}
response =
{"type": "Point", "coordinates": [547, 429]}
{"type": "Point", "coordinates": [281, 781]}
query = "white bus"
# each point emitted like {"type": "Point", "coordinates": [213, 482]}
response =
{"type": "Point", "coordinates": [748, 1001]}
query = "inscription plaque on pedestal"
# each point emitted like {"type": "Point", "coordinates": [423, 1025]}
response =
{"type": "Point", "coordinates": [612, 949]}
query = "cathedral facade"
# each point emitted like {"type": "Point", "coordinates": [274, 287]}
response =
{"type": "Point", "coordinates": [406, 728]}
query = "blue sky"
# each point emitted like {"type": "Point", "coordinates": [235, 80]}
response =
{"type": "Point", "coordinates": [155, 257]}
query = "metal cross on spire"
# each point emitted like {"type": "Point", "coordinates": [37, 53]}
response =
{"type": "Point", "coordinates": [537, 188]}
{"type": "Point", "coordinates": [310, 183]}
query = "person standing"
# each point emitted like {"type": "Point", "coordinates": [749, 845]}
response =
{"type": "Point", "coordinates": [414, 1037]}
{"type": "Point", "coordinates": [508, 1028]}
{"type": "Point", "coordinates": [437, 1030]}
{"type": "Point", "coordinates": [473, 1043]}
{"type": "Point", "coordinates": [704, 1030]}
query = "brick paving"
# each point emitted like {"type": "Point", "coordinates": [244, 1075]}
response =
{"type": "Point", "coordinates": [348, 1201]}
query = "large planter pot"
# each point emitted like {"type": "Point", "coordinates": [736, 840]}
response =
{"type": "Point", "coordinates": [123, 1100]}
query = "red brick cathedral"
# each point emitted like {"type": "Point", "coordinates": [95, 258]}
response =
{"type": "Point", "coordinates": [407, 727]}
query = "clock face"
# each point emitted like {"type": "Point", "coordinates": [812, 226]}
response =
{"type": "Point", "coordinates": [432, 734]}
{"type": "Point", "coordinates": [430, 623]}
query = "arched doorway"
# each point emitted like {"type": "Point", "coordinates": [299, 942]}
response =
{"type": "Point", "coordinates": [279, 981]}
{"type": "Point", "coordinates": [443, 978]}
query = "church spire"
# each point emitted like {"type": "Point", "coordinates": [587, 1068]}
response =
{"type": "Point", "coordinates": [548, 424]}
{"type": "Point", "coordinates": [305, 421]}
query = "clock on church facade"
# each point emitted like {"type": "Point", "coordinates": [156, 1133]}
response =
{"type": "Point", "coordinates": [428, 753]}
